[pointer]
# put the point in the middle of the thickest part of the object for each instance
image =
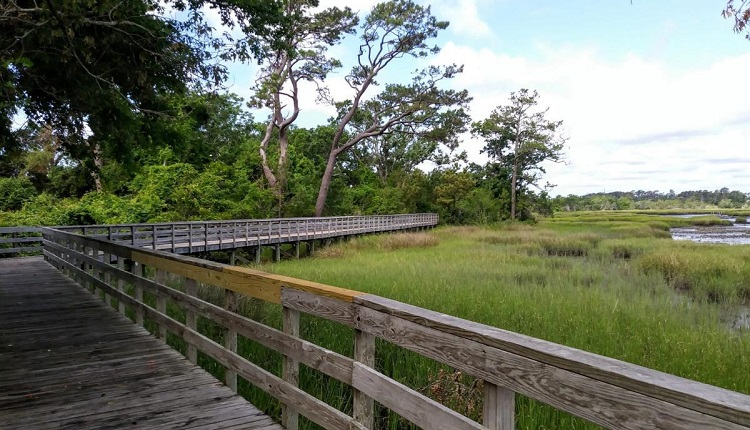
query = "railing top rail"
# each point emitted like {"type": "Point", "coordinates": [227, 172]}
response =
{"type": "Point", "coordinates": [657, 386]}
{"type": "Point", "coordinates": [22, 229]}
{"type": "Point", "coordinates": [158, 224]}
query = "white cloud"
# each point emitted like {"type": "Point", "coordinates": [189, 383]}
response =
{"type": "Point", "coordinates": [619, 113]}
{"type": "Point", "coordinates": [463, 16]}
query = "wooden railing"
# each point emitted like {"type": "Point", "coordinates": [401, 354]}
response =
{"type": "Point", "coordinates": [20, 240]}
{"type": "Point", "coordinates": [200, 236]}
{"type": "Point", "coordinates": [608, 392]}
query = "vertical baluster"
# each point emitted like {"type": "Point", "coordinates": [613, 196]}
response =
{"type": "Point", "coordinates": [290, 368]}
{"type": "Point", "coordinates": [161, 302]}
{"type": "Point", "coordinates": [153, 234]}
{"type": "Point", "coordinates": [191, 320]}
{"type": "Point", "coordinates": [364, 352]}
{"type": "Point", "coordinates": [137, 269]}
{"type": "Point", "coordinates": [190, 238]}
{"type": "Point", "coordinates": [499, 413]}
{"type": "Point", "coordinates": [234, 235]}
{"type": "Point", "coordinates": [230, 340]}
{"type": "Point", "coordinates": [107, 279]}
{"type": "Point", "coordinates": [121, 284]}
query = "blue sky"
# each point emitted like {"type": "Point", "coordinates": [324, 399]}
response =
{"type": "Point", "coordinates": [653, 94]}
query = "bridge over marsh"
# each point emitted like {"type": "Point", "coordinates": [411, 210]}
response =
{"type": "Point", "coordinates": [105, 295]}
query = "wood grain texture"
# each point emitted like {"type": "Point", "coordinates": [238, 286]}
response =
{"type": "Point", "coordinates": [259, 287]}
{"type": "Point", "coordinates": [420, 410]}
{"type": "Point", "coordinates": [325, 307]}
{"type": "Point", "coordinates": [363, 405]}
{"type": "Point", "coordinates": [597, 401]}
{"type": "Point", "coordinates": [230, 337]}
{"type": "Point", "coordinates": [605, 391]}
{"type": "Point", "coordinates": [724, 404]}
{"type": "Point", "coordinates": [499, 408]}
{"type": "Point", "coordinates": [161, 302]}
{"type": "Point", "coordinates": [312, 355]}
{"type": "Point", "coordinates": [87, 367]}
{"type": "Point", "coordinates": [191, 318]}
{"type": "Point", "coordinates": [290, 367]}
{"type": "Point", "coordinates": [314, 409]}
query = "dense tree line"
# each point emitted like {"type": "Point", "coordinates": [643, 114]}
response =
{"type": "Point", "coordinates": [207, 166]}
{"type": "Point", "coordinates": [123, 117]}
{"type": "Point", "coordinates": [701, 199]}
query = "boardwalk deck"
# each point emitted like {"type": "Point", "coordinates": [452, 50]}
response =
{"type": "Point", "coordinates": [67, 361]}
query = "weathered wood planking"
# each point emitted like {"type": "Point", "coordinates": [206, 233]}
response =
{"type": "Point", "coordinates": [725, 404]}
{"type": "Point", "coordinates": [253, 283]}
{"type": "Point", "coordinates": [189, 237]}
{"type": "Point", "coordinates": [312, 355]}
{"type": "Point", "coordinates": [604, 391]}
{"type": "Point", "coordinates": [597, 401]}
{"type": "Point", "coordinates": [314, 409]}
{"type": "Point", "coordinates": [415, 407]}
{"type": "Point", "coordinates": [69, 361]}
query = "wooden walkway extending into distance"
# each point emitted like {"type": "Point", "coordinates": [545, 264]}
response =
{"type": "Point", "coordinates": [189, 237]}
{"type": "Point", "coordinates": [67, 361]}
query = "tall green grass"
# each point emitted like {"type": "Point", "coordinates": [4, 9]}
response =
{"type": "Point", "coordinates": [617, 287]}
{"type": "Point", "coordinates": [604, 287]}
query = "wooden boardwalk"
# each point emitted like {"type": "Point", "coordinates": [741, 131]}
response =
{"type": "Point", "coordinates": [68, 361]}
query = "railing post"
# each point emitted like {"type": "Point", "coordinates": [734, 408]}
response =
{"type": "Point", "coordinates": [290, 368]}
{"type": "Point", "coordinates": [89, 268]}
{"type": "Point", "coordinates": [230, 340]}
{"type": "Point", "coordinates": [173, 244]}
{"type": "Point", "coordinates": [153, 233]}
{"type": "Point", "coordinates": [499, 412]}
{"type": "Point", "coordinates": [190, 238]}
{"type": "Point", "coordinates": [120, 285]}
{"type": "Point", "coordinates": [234, 235]}
{"type": "Point", "coordinates": [132, 235]}
{"type": "Point", "coordinates": [191, 320]}
{"type": "Point", "coordinates": [137, 269]}
{"type": "Point", "coordinates": [161, 302]}
{"type": "Point", "coordinates": [107, 279]}
{"type": "Point", "coordinates": [364, 352]}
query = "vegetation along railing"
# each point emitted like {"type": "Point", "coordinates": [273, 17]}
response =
{"type": "Point", "coordinates": [200, 236]}
{"type": "Point", "coordinates": [20, 240]}
{"type": "Point", "coordinates": [608, 392]}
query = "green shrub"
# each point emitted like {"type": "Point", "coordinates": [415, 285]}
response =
{"type": "Point", "coordinates": [14, 192]}
{"type": "Point", "coordinates": [740, 220]}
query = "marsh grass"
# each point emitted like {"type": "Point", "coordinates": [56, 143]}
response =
{"type": "Point", "coordinates": [605, 286]}
{"type": "Point", "coordinates": [615, 287]}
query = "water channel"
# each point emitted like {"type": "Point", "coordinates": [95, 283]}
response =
{"type": "Point", "coordinates": [736, 234]}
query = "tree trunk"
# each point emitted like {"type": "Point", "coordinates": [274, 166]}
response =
{"type": "Point", "coordinates": [281, 175]}
{"type": "Point", "coordinates": [513, 181]}
{"type": "Point", "coordinates": [325, 183]}
{"type": "Point", "coordinates": [98, 165]}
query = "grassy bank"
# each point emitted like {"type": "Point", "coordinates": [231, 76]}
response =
{"type": "Point", "coordinates": [614, 286]}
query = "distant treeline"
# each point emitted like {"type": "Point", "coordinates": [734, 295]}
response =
{"type": "Point", "coordinates": [623, 200]}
